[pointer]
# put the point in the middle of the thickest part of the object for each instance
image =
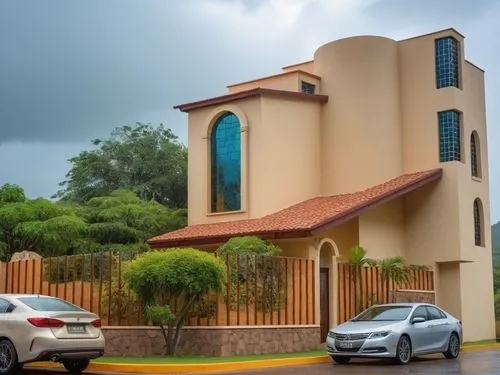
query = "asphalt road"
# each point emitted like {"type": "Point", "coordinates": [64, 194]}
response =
{"type": "Point", "coordinates": [477, 363]}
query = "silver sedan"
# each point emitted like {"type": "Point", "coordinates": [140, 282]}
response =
{"type": "Point", "coordinates": [42, 328]}
{"type": "Point", "coordinates": [396, 331]}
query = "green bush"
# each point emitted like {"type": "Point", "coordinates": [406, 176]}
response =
{"type": "Point", "coordinates": [159, 278]}
{"type": "Point", "coordinates": [251, 260]}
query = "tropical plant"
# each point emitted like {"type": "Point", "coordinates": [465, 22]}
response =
{"type": "Point", "coordinates": [36, 224]}
{"type": "Point", "coordinates": [147, 160]}
{"type": "Point", "coordinates": [159, 278]}
{"type": "Point", "coordinates": [251, 262]}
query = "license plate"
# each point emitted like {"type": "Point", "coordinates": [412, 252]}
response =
{"type": "Point", "coordinates": [76, 328]}
{"type": "Point", "coordinates": [345, 344]}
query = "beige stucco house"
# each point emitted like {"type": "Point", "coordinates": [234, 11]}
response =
{"type": "Point", "coordinates": [375, 142]}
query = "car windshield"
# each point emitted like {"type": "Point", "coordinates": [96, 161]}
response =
{"type": "Point", "coordinates": [48, 304]}
{"type": "Point", "coordinates": [384, 313]}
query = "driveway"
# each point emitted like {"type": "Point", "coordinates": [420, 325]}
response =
{"type": "Point", "coordinates": [477, 363]}
{"type": "Point", "coordinates": [470, 363]}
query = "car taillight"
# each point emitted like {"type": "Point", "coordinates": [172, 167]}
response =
{"type": "Point", "coordinates": [96, 323]}
{"type": "Point", "coordinates": [46, 322]}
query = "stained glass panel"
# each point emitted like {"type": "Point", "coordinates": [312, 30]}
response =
{"type": "Point", "coordinates": [225, 149]}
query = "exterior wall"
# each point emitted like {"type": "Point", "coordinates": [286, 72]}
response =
{"type": "Point", "coordinates": [382, 231]}
{"type": "Point", "coordinates": [200, 122]}
{"type": "Point", "coordinates": [345, 236]}
{"type": "Point", "coordinates": [285, 155]}
{"type": "Point", "coordinates": [213, 342]}
{"type": "Point", "coordinates": [441, 228]}
{"type": "Point", "coordinates": [360, 128]}
{"type": "Point", "coordinates": [306, 66]}
{"type": "Point", "coordinates": [296, 156]}
{"type": "Point", "coordinates": [289, 81]}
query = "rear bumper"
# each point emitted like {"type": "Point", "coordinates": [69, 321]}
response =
{"type": "Point", "coordinates": [58, 355]}
{"type": "Point", "coordinates": [52, 349]}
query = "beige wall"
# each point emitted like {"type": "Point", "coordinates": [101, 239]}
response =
{"type": "Point", "coordinates": [381, 230]}
{"type": "Point", "coordinates": [380, 121]}
{"type": "Point", "coordinates": [285, 155]}
{"type": "Point", "coordinates": [345, 236]}
{"type": "Point", "coordinates": [289, 81]}
{"type": "Point", "coordinates": [306, 66]}
{"type": "Point", "coordinates": [360, 128]}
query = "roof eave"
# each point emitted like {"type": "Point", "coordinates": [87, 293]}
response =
{"type": "Point", "coordinates": [357, 211]}
{"type": "Point", "coordinates": [216, 240]}
{"type": "Point", "coordinates": [251, 93]}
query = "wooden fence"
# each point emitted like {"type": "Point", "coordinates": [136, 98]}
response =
{"type": "Point", "coordinates": [259, 290]}
{"type": "Point", "coordinates": [360, 287]}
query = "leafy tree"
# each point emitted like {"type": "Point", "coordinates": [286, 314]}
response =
{"type": "Point", "coordinates": [36, 225]}
{"type": "Point", "coordinates": [123, 221]}
{"type": "Point", "coordinates": [248, 245]}
{"type": "Point", "coordinates": [147, 160]}
{"type": "Point", "coordinates": [159, 278]}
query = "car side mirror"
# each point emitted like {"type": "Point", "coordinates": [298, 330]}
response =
{"type": "Point", "coordinates": [417, 319]}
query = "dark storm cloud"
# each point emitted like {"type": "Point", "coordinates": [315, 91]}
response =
{"type": "Point", "coordinates": [71, 68]}
{"type": "Point", "coordinates": [428, 11]}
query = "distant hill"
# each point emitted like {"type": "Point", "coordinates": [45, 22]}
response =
{"type": "Point", "coordinates": [495, 239]}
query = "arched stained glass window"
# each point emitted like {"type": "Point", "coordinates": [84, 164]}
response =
{"type": "Point", "coordinates": [225, 156]}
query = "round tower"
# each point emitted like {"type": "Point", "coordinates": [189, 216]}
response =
{"type": "Point", "coordinates": [360, 130]}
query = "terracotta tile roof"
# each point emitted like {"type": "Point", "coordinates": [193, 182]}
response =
{"type": "Point", "coordinates": [303, 219]}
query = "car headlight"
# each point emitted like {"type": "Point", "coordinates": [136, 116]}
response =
{"type": "Point", "coordinates": [378, 335]}
{"type": "Point", "coordinates": [331, 334]}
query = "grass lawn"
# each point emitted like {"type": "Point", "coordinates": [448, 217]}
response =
{"type": "Point", "coordinates": [200, 359]}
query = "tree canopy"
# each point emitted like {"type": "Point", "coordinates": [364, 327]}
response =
{"type": "Point", "coordinates": [150, 161]}
{"type": "Point", "coordinates": [36, 225]}
{"type": "Point", "coordinates": [161, 278]}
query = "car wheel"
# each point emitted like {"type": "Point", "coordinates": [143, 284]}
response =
{"type": "Point", "coordinates": [453, 347]}
{"type": "Point", "coordinates": [76, 366]}
{"type": "Point", "coordinates": [403, 351]}
{"type": "Point", "coordinates": [8, 359]}
{"type": "Point", "coordinates": [341, 360]}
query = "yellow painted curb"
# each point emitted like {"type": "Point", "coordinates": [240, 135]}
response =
{"type": "Point", "coordinates": [217, 367]}
{"type": "Point", "coordinates": [199, 367]}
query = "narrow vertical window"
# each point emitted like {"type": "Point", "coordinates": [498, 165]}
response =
{"type": "Point", "coordinates": [450, 142]}
{"type": "Point", "coordinates": [475, 155]}
{"type": "Point", "coordinates": [225, 157]}
{"type": "Point", "coordinates": [478, 223]}
{"type": "Point", "coordinates": [447, 52]}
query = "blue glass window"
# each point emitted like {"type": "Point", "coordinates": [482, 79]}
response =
{"type": "Point", "coordinates": [449, 136]}
{"type": "Point", "coordinates": [225, 153]}
{"type": "Point", "coordinates": [474, 155]}
{"type": "Point", "coordinates": [478, 223]}
{"type": "Point", "coordinates": [308, 88]}
{"type": "Point", "coordinates": [447, 62]}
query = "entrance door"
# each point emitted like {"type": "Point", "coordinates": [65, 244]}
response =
{"type": "Point", "coordinates": [324, 302]}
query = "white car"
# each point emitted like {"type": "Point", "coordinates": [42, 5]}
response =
{"type": "Point", "coordinates": [36, 328]}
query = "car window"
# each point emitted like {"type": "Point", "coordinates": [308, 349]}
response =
{"type": "Point", "coordinates": [48, 304]}
{"type": "Point", "coordinates": [421, 312]}
{"type": "Point", "coordinates": [434, 313]}
{"type": "Point", "coordinates": [384, 313]}
{"type": "Point", "coordinates": [4, 305]}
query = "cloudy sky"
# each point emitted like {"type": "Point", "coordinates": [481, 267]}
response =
{"type": "Point", "coordinates": [71, 71]}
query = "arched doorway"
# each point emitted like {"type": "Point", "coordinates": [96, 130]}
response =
{"type": "Point", "coordinates": [327, 252]}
